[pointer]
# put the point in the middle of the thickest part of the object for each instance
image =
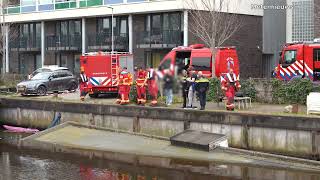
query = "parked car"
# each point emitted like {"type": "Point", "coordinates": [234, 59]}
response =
{"type": "Point", "coordinates": [50, 68]}
{"type": "Point", "coordinates": [43, 82]}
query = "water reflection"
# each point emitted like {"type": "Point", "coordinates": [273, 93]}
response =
{"type": "Point", "coordinates": [30, 164]}
{"type": "Point", "coordinates": [88, 173]}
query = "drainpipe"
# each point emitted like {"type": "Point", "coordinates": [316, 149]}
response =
{"type": "Point", "coordinates": [130, 34]}
{"type": "Point", "coordinates": [43, 50]}
{"type": "Point", "coordinates": [185, 28]}
{"type": "Point", "coordinates": [83, 35]}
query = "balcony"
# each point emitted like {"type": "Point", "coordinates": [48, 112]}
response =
{"type": "Point", "coordinates": [103, 41]}
{"type": "Point", "coordinates": [64, 43]}
{"type": "Point", "coordinates": [159, 39]}
{"type": "Point", "coordinates": [35, 6]}
{"type": "Point", "coordinates": [25, 44]}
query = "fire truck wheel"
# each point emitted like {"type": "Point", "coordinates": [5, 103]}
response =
{"type": "Point", "coordinates": [94, 95]}
{"type": "Point", "coordinates": [73, 86]}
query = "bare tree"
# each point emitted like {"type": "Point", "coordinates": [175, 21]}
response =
{"type": "Point", "coordinates": [5, 28]}
{"type": "Point", "coordinates": [212, 22]}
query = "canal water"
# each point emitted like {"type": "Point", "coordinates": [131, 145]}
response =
{"type": "Point", "coordinates": [25, 164]}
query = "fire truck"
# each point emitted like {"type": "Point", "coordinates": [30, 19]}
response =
{"type": "Point", "coordinates": [200, 58]}
{"type": "Point", "coordinates": [102, 69]}
{"type": "Point", "coordinates": [299, 59]}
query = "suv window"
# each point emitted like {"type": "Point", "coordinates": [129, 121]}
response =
{"type": "Point", "coordinates": [290, 56]}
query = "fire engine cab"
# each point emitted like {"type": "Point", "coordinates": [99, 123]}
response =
{"type": "Point", "coordinates": [200, 58]}
{"type": "Point", "coordinates": [102, 70]}
{"type": "Point", "coordinates": [299, 59]}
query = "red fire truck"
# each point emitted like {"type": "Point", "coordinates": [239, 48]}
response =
{"type": "Point", "coordinates": [200, 58]}
{"type": "Point", "coordinates": [299, 59]}
{"type": "Point", "coordinates": [102, 68]}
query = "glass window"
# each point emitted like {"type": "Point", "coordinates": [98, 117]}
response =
{"type": "Point", "coordinates": [148, 23]}
{"type": "Point", "coordinates": [201, 63]}
{"type": "Point", "coordinates": [166, 64]}
{"type": "Point", "coordinates": [106, 23]}
{"type": "Point", "coordinates": [290, 56]}
{"type": "Point", "coordinates": [166, 21]}
{"type": "Point", "coordinates": [156, 24]}
{"type": "Point", "coordinates": [77, 27]}
{"type": "Point", "coordinates": [64, 28]}
{"type": "Point", "coordinates": [38, 30]}
{"type": "Point", "coordinates": [28, 2]}
{"type": "Point", "coordinates": [175, 21]}
{"type": "Point", "coordinates": [123, 26]}
{"type": "Point", "coordinates": [46, 1]}
{"type": "Point", "coordinates": [316, 55]}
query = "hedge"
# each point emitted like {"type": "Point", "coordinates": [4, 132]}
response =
{"type": "Point", "coordinates": [294, 91]}
{"type": "Point", "coordinates": [215, 92]}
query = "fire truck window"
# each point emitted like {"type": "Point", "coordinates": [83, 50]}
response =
{"type": "Point", "coordinates": [166, 64]}
{"type": "Point", "coordinates": [290, 56]}
{"type": "Point", "coordinates": [316, 55]}
{"type": "Point", "coordinates": [201, 63]}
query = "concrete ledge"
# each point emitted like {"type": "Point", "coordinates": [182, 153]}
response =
{"type": "Point", "coordinates": [303, 123]}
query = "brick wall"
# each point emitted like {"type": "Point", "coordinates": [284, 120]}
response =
{"type": "Point", "coordinates": [247, 39]}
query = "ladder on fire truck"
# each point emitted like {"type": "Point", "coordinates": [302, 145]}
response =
{"type": "Point", "coordinates": [114, 68]}
{"type": "Point", "coordinates": [114, 62]}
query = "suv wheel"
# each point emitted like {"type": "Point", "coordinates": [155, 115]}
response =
{"type": "Point", "coordinates": [41, 91]}
{"type": "Point", "coordinates": [73, 87]}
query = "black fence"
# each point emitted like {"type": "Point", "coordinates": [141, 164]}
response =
{"type": "Point", "coordinates": [103, 41]}
{"type": "Point", "coordinates": [64, 42]}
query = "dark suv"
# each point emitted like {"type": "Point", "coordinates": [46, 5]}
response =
{"type": "Point", "coordinates": [44, 82]}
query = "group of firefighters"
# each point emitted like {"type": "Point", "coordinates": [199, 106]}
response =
{"type": "Point", "coordinates": [146, 81]}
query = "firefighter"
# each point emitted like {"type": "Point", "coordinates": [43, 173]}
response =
{"type": "Point", "coordinates": [141, 82]}
{"type": "Point", "coordinates": [230, 85]}
{"type": "Point", "coordinates": [83, 84]}
{"type": "Point", "coordinates": [125, 82]}
{"type": "Point", "coordinates": [153, 86]}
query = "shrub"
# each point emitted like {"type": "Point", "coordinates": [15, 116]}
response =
{"type": "Point", "coordinates": [215, 92]}
{"type": "Point", "coordinates": [248, 88]}
{"type": "Point", "coordinates": [295, 91]}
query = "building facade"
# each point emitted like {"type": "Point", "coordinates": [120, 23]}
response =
{"type": "Point", "coordinates": [48, 32]}
{"type": "Point", "coordinates": [303, 20]}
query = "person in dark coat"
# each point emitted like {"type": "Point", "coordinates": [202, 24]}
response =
{"type": "Point", "coordinates": [168, 86]}
{"type": "Point", "coordinates": [201, 87]}
{"type": "Point", "coordinates": [184, 87]}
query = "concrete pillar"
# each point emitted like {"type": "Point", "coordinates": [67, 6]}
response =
{"type": "Point", "coordinates": [7, 48]}
{"type": "Point", "coordinates": [43, 45]}
{"type": "Point", "coordinates": [185, 28]}
{"type": "Point", "coordinates": [78, 3]}
{"type": "Point", "coordinates": [130, 33]}
{"type": "Point", "coordinates": [37, 5]}
{"type": "Point", "coordinates": [83, 33]}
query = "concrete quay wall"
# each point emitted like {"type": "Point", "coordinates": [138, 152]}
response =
{"type": "Point", "coordinates": [287, 135]}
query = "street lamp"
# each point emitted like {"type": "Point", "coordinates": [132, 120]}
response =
{"type": "Point", "coordinates": [112, 38]}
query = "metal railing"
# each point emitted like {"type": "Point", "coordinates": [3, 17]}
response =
{"type": "Point", "coordinates": [103, 41]}
{"type": "Point", "coordinates": [64, 42]}
{"type": "Point", "coordinates": [25, 44]}
{"type": "Point", "coordinates": [165, 38]}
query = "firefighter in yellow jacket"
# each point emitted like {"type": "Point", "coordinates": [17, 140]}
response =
{"type": "Point", "coordinates": [125, 82]}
